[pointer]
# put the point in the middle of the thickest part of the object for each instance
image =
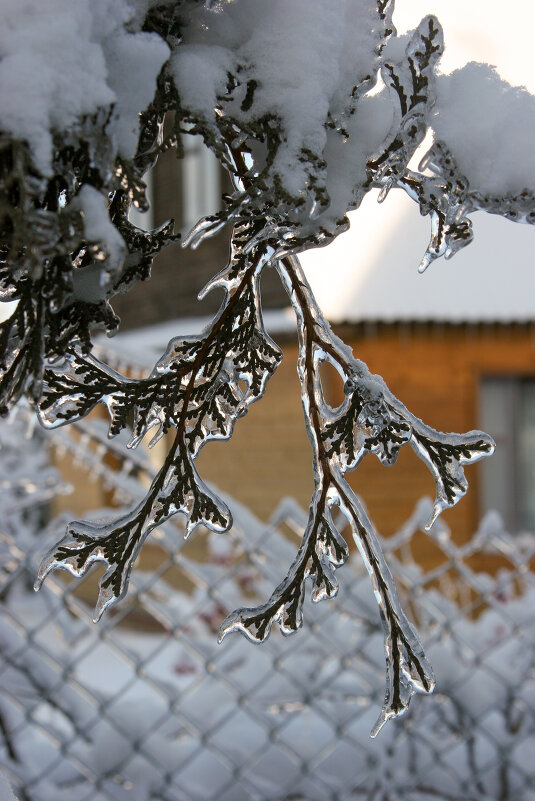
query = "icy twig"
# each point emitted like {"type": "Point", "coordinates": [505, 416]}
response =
{"type": "Point", "coordinates": [197, 388]}
{"type": "Point", "coordinates": [370, 420]}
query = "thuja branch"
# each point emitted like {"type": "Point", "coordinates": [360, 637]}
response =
{"type": "Point", "coordinates": [407, 667]}
{"type": "Point", "coordinates": [198, 389]}
{"type": "Point", "coordinates": [69, 250]}
{"type": "Point", "coordinates": [370, 420]}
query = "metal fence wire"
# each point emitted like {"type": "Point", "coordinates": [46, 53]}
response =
{"type": "Point", "coordinates": [147, 706]}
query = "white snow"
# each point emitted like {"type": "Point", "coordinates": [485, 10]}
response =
{"type": "Point", "coordinates": [305, 57]}
{"type": "Point", "coordinates": [61, 60]}
{"type": "Point", "coordinates": [489, 127]}
{"type": "Point", "coordinates": [133, 63]}
{"type": "Point", "coordinates": [370, 272]}
{"type": "Point", "coordinates": [97, 224]}
{"type": "Point", "coordinates": [346, 158]}
{"type": "Point", "coordinates": [200, 72]}
{"type": "Point", "coordinates": [90, 282]}
{"type": "Point", "coordinates": [51, 70]}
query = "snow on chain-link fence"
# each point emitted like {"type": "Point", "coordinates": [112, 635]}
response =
{"type": "Point", "coordinates": [147, 706]}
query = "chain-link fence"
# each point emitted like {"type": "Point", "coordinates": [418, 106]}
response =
{"type": "Point", "coordinates": [147, 706]}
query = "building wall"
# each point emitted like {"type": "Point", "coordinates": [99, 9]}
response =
{"type": "Point", "coordinates": [434, 370]}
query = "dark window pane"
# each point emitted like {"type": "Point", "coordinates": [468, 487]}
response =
{"type": "Point", "coordinates": [497, 400]}
{"type": "Point", "coordinates": [507, 412]}
{"type": "Point", "coordinates": [526, 456]}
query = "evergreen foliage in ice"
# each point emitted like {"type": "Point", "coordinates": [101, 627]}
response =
{"type": "Point", "coordinates": [309, 105]}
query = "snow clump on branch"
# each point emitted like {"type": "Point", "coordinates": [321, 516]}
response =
{"type": "Point", "coordinates": [62, 61]}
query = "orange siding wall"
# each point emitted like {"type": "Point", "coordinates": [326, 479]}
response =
{"type": "Point", "coordinates": [268, 456]}
{"type": "Point", "coordinates": [434, 370]}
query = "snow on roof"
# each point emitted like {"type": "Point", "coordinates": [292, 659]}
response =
{"type": "Point", "coordinates": [370, 273]}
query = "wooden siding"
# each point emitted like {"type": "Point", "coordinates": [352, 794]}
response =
{"type": "Point", "coordinates": [434, 370]}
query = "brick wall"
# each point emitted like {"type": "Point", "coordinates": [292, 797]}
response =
{"type": "Point", "coordinates": [435, 372]}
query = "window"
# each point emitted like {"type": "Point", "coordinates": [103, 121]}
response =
{"type": "Point", "coordinates": [198, 179]}
{"type": "Point", "coordinates": [201, 184]}
{"type": "Point", "coordinates": [508, 478]}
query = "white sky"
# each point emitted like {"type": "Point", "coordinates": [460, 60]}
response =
{"type": "Point", "coordinates": [497, 32]}
{"type": "Point", "coordinates": [370, 272]}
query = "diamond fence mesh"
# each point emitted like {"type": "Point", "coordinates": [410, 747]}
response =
{"type": "Point", "coordinates": [147, 706]}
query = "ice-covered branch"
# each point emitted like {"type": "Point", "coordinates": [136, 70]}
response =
{"type": "Point", "coordinates": [288, 97]}
{"type": "Point", "coordinates": [370, 420]}
{"type": "Point", "coordinates": [200, 387]}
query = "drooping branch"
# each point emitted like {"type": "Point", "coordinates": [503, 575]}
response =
{"type": "Point", "coordinates": [196, 388]}
{"type": "Point", "coordinates": [68, 247]}
{"type": "Point", "coordinates": [371, 420]}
